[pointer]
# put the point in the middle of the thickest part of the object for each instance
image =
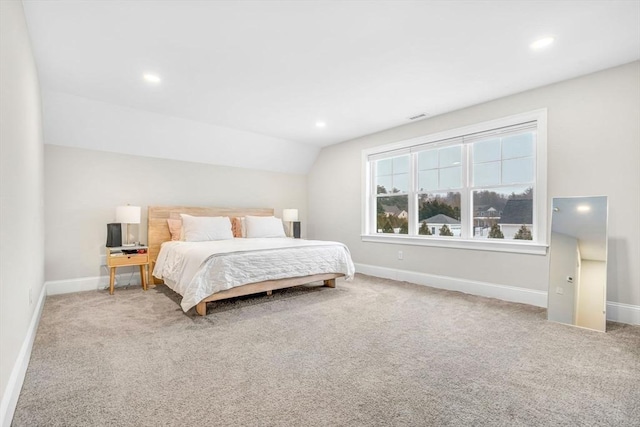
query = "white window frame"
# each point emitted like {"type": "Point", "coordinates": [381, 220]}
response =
{"type": "Point", "coordinates": [540, 235]}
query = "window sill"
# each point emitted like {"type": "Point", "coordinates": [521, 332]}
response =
{"type": "Point", "coordinates": [456, 243]}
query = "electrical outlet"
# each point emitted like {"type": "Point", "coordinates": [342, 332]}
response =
{"type": "Point", "coordinates": [559, 290]}
{"type": "Point", "coordinates": [400, 255]}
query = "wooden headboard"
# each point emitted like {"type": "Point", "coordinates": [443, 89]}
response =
{"type": "Point", "coordinates": [158, 229]}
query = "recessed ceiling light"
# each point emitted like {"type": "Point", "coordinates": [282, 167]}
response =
{"type": "Point", "coordinates": [151, 78]}
{"type": "Point", "coordinates": [583, 208]}
{"type": "Point", "coordinates": [320, 124]}
{"type": "Point", "coordinates": [542, 43]}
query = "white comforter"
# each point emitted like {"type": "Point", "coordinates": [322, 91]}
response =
{"type": "Point", "coordinates": [196, 270]}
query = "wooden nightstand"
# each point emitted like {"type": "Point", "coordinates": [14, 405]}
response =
{"type": "Point", "coordinates": [118, 257]}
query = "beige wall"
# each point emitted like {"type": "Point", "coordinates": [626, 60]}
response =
{"type": "Point", "coordinates": [593, 149]}
{"type": "Point", "coordinates": [589, 308]}
{"type": "Point", "coordinates": [83, 188]}
{"type": "Point", "coordinates": [563, 262]}
{"type": "Point", "coordinates": [21, 189]}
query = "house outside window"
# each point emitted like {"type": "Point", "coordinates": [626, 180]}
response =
{"type": "Point", "coordinates": [482, 186]}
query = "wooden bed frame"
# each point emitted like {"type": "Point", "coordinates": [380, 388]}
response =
{"type": "Point", "coordinates": [158, 233]}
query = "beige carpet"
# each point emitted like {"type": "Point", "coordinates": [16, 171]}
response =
{"type": "Point", "coordinates": [371, 352]}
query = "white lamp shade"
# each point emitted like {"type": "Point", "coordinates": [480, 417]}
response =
{"type": "Point", "coordinates": [128, 214]}
{"type": "Point", "coordinates": [290, 215]}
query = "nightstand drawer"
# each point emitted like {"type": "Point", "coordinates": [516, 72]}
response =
{"type": "Point", "coordinates": [133, 259]}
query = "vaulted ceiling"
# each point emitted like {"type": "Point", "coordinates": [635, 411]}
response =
{"type": "Point", "coordinates": [276, 68]}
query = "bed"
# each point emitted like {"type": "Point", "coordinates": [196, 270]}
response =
{"type": "Point", "coordinates": [208, 271]}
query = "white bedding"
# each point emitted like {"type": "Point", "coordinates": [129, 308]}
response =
{"type": "Point", "coordinates": [196, 270]}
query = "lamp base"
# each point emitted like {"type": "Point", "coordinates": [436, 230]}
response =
{"type": "Point", "coordinates": [128, 242]}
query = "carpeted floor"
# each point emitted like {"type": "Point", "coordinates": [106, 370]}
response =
{"type": "Point", "coordinates": [370, 352]}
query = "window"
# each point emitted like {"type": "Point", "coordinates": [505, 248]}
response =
{"type": "Point", "coordinates": [482, 187]}
{"type": "Point", "coordinates": [438, 190]}
{"type": "Point", "coordinates": [392, 200]}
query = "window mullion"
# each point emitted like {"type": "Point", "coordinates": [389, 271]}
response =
{"type": "Point", "coordinates": [373, 200]}
{"type": "Point", "coordinates": [413, 198]}
{"type": "Point", "coordinates": [465, 197]}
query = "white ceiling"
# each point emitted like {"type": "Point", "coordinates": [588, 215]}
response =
{"type": "Point", "coordinates": [274, 68]}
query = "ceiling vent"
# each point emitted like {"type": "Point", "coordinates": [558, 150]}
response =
{"type": "Point", "coordinates": [419, 116]}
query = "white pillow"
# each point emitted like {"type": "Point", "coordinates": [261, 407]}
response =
{"type": "Point", "coordinates": [205, 228]}
{"type": "Point", "coordinates": [264, 226]}
{"type": "Point", "coordinates": [243, 228]}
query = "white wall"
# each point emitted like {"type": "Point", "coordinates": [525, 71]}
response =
{"type": "Point", "coordinates": [563, 262]}
{"type": "Point", "coordinates": [21, 199]}
{"type": "Point", "coordinates": [593, 149]}
{"type": "Point", "coordinates": [83, 123]}
{"type": "Point", "coordinates": [83, 188]}
{"type": "Point", "coordinates": [593, 279]}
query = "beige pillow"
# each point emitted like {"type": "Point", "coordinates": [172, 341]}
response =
{"type": "Point", "coordinates": [236, 226]}
{"type": "Point", "coordinates": [175, 228]}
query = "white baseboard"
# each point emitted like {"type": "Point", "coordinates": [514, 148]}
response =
{"type": "Point", "coordinates": [491, 290]}
{"type": "Point", "coordinates": [617, 312]}
{"type": "Point", "coordinates": [16, 378]}
{"type": "Point", "coordinates": [55, 287]}
{"type": "Point", "coordinates": [623, 313]}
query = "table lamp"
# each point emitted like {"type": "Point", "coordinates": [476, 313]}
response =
{"type": "Point", "coordinates": [291, 216]}
{"type": "Point", "coordinates": [128, 215]}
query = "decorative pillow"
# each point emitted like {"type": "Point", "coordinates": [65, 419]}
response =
{"type": "Point", "coordinates": [205, 228]}
{"type": "Point", "coordinates": [175, 228]}
{"type": "Point", "coordinates": [264, 226]}
{"type": "Point", "coordinates": [237, 225]}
